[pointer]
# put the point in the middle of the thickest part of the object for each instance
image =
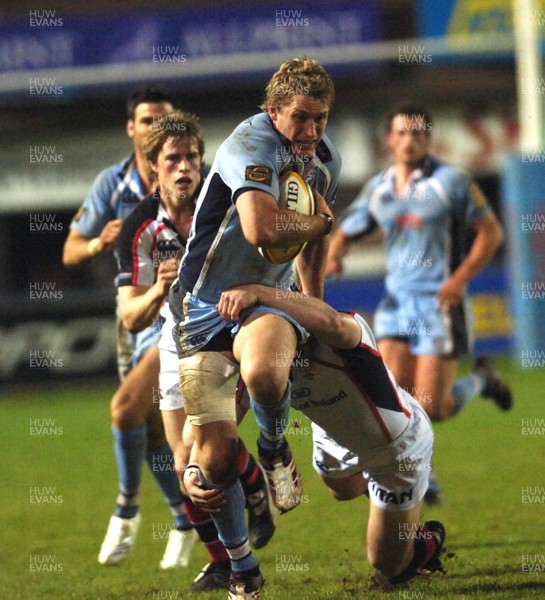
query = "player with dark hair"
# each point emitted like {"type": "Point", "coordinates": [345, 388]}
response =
{"type": "Point", "coordinates": [115, 192]}
{"type": "Point", "coordinates": [117, 189]}
{"type": "Point", "coordinates": [426, 210]}
{"type": "Point", "coordinates": [237, 212]}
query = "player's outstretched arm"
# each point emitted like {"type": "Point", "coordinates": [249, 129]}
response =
{"type": "Point", "coordinates": [341, 244]}
{"type": "Point", "coordinates": [338, 248]}
{"type": "Point", "coordinates": [323, 321]}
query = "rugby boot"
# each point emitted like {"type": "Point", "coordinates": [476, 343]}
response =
{"type": "Point", "coordinates": [495, 386]}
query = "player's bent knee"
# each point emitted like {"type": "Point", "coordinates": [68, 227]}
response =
{"type": "Point", "coordinates": [207, 384]}
{"type": "Point", "coordinates": [264, 380]}
{"type": "Point", "coordinates": [122, 415]}
{"type": "Point", "coordinates": [220, 467]}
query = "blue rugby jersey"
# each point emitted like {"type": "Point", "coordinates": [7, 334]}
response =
{"type": "Point", "coordinates": [254, 156]}
{"type": "Point", "coordinates": [115, 192]}
{"type": "Point", "coordinates": [425, 229]}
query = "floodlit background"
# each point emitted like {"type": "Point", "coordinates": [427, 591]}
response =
{"type": "Point", "coordinates": [65, 70]}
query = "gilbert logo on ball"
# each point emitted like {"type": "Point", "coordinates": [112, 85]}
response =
{"type": "Point", "coordinates": [295, 196]}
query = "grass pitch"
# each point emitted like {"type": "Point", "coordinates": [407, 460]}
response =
{"type": "Point", "coordinates": [59, 487]}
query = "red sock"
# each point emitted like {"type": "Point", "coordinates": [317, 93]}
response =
{"type": "Point", "coordinates": [207, 531]}
{"type": "Point", "coordinates": [249, 473]}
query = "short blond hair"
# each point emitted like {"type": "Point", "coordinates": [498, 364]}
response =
{"type": "Point", "coordinates": [175, 125]}
{"type": "Point", "coordinates": [299, 76]}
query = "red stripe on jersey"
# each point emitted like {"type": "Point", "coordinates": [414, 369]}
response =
{"type": "Point", "coordinates": [370, 349]}
{"type": "Point", "coordinates": [394, 387]}
{"type": "Point", "coordinates": [376, 352]}
{"type": "Point", "coordinates": [407, 413]}
{"type": "Point", "coordinates": [156, 233]}
{"type": "Point", "coordinates": [365, 393]}
{"type": "Point", "coordinates": [134, 250]}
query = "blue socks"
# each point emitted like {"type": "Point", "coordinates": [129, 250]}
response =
{"type": "Point", "coordinates": [466, 388]}
{"type": "Point", "coordinates": [272, 421]}
{"type": "Point", "coordinates": [130, 450]}
{"type": "Point", "coordinates": [231, 525]}
{"type": "Point", "coordinates": [129, 446]}
{"type": "Point", "coordinates": [161, 464]}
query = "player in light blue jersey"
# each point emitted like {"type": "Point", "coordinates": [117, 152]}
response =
{"type": "Point", "coordinates": [426, 210]}
{"type": "Point", "coordinates": [236, 213]}
{"type": "Point", "coordinates": [115, 192]}
{"type": "Point", "coordinates": [136, 423]}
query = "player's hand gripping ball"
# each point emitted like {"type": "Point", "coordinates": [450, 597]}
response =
{"type": "Point", "coordinates": [295, 196]}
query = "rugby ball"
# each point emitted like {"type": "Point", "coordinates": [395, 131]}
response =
{"type": "Point", "coordinates": [295, 196]}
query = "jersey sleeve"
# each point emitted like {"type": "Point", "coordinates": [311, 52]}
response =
{"type": "Point", "coordinates": [96, 210]}
{"type": "Point", "coordinates": [135, 253]}
{"type": "Point", "coordinates": [357, 220]}
{"type": "Point", "coordinates": [248, 160]}
{"type": "Point", "coordinates": [469, 201]}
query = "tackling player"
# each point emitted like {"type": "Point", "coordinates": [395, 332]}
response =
{"type": "Point", "coordinates": [370, 436]}
{"type": "Point", "coordinates": [426, 210]}
{"type": "Point", "coordinates": [237, 212]}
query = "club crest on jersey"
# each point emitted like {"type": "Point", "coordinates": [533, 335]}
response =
{"type": "Point", "coordinates": [259, 174]}
{"type": "Point", "coordinates": [168, 246]}
{"type": "Point", "coordinates": [409, 221]}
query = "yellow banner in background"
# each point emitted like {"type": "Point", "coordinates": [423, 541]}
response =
{"type": "Point", "coordinates": [488, 16]}
{"type": "Point", "coordinates": [492, 315]}
{"type": "Point", "coordinates": [481, 16]}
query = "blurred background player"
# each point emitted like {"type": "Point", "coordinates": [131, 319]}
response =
{"type": "Point", "coordinates": [237, 212]}
{"type": "Point", "coordinates": [426, 210]}
{"type": "Point", "coordinates": [152, 240]}
{"type": "Point", "coordinates": [115, 192]}
{"type": "Point", "coordinates": [94, 231]}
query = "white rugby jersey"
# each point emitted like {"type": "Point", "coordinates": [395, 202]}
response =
{"type": "Point", "coordinates": [351, 394]}
{"type": "Point", "coordinates": [147, 237]}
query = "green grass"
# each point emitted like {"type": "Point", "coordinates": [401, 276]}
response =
{"type": "Point", "coordinates": [482, 459]}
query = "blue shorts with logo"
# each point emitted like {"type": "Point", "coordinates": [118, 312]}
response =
{"type": "Point", "coordinates": [419, 320]}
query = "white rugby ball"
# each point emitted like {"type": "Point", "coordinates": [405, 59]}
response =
{"type": "Point", "coordinates": [295, 196]}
